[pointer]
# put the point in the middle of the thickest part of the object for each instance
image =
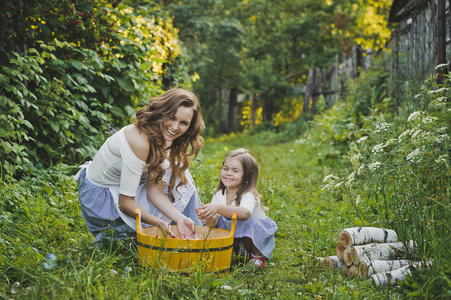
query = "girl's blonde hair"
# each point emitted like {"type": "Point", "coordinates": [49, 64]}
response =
{"type": "Point", "coordinates": [150, 119]}
{"type": "Point", "coordinates": [250, 175]}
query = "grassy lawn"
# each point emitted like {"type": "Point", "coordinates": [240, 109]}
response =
{"type": "Point", "coordinates": [39, 218]}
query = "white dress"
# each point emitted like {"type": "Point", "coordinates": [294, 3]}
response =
{"type": "Point", "coordinates": [257, 227]}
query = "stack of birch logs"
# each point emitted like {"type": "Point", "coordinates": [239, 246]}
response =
{"type": "Point", "coordinates": [371, 252]}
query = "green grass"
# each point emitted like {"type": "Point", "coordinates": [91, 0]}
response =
{"type": "Point", "coordinates": [39, 218]}
{"type": "Point", "coordinates": [40, 215]}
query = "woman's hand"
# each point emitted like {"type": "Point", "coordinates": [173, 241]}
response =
{"type": "Point", "coordinates": [166, 229]}
{"type": "Point", "coordinates": [186, 228]}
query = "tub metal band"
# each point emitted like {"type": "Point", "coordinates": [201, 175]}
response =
{"type": "Point", "coordinates": [184, 249]}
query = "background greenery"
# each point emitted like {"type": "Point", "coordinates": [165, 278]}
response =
{"type": "Point", "coordinates": [72, 72]}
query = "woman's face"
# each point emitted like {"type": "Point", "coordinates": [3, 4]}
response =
{"type": "Point", "coordinates": [177, 124]}
{"type": "Point", "coordinates": [232, 173]}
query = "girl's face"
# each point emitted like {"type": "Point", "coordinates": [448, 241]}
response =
{"type": "Point", "coordinates": [177, 124]}
{"type": "Point", "coordinates": [232, 173]}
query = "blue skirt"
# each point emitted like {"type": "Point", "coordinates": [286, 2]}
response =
{"type": "Point", "coordinates": [261, 231]}
{"type": "Point", "coordinates": [103, 217]}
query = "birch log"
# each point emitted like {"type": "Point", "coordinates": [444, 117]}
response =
{"type": "Point", "coordinates": [332, 262]}
{"type": "Point", "coordinates": [366, 235]}
{"type": "Point", "coordinates": [381, 251]}
{"type": "Point", "coordinates": [353, 270]}
{"type": "Point", "coordinates": [339, 250]}
{"type": "Point", "coordinates": [397, 275]}
{"type": "Point", "coordinates": [345, 270]}
{"type": "Point", "coordinates": [347, 256]}
{"type": "Point", "coordinates": [370, 267]}
{"type": "Point", "coordinates": [390, 277]}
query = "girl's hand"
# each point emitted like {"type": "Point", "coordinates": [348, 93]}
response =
{"type": "Point", "coordinates": [186, 228]}
{"type": "Point", "coordinates": [166, 229]}
{"type": "Point", "coordinates": [207, 211]}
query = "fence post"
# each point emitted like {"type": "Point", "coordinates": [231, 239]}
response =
{"type": "Point", "coordinates": [308, 92]}
{"type": "Point", "coordinates": [441, 40]}
{"type": "Point", "coordinates": [316, 89]}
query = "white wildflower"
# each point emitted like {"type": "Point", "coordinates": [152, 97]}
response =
{"type": "Point", "coordinates": [390, 142]}
{"type": "Point", "coordinates": [442, 159]}
{"type": "Point", "coordinates": [378, 148]}
{"type": "Point", "coordinates": [338, 184]}
{"type": "Point", "coordinates": [439, 102]}
{"type": "Point", "coordinates": [300, 141]}
{"type": "Point", "coordinates": [402, 135]}
{"type": "Point", "coordinates": [355, 158]}
{"type": "Point", "coordinates": [441, 66]}
{"type": "Point", "coordinates": [357, 200]}
{"type": "Point", "coordinates": [415, 134]}
{"type": "Point", "coordinates": [413, 116]}
{"type": "Point", "coordinates": [360, 169]}
{"type": "Point", "coordinates": [330, 176]}
{"type": "Point", "coordinates": [429, 120]}
{"type": "Point", "coordinates": [444, 89]}
{"type": "Point", "coordinates": [362, 139]}
{"type": "Point", "coordinates": [326, 187]}
{"type": "Point", "coordinates": [383, 127]}
{"type": "Point", "coordinates": [442, 138]}
{"type": "Point", "coordinates": [351, 178]}
{"type": "Point", "coordinates": [425, 138]}
{"type": "Point", "coordinates": [412, 156]}
{"type": "Point", "coordinates": [417, 96]}
{"type": "Point", "coordinates": [291, 150]}
{"type": "Point", "coordinates": [374, 166]}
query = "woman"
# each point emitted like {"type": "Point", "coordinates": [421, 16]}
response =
{"type": "Point", "coordinates": [145, 165]}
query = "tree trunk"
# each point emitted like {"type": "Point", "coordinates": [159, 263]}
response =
{"type": "Point", "coordinates": [332, 262]}
{"type": "Point", "coordinates": [358, 60]}
{"type": "Point", "coordinates": [267, 110]}
{"type": "Point", "coordinates": [384, 251]}
{"type": "Point", "coordinates": [219, 100]}
{"type": "Point", "coordinates": [340, 250]}
{"type": "Point", "coordinates": [231, 114]}
{"type": "Point", "coordinates": [366, 235]}
{"type": "Point", "coordinates": [253, 109]}
{"type": "Point", "coordinates": [370, 267]}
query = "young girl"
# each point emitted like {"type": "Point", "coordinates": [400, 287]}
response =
{"type": "Point", "coordinates": [237, 193]}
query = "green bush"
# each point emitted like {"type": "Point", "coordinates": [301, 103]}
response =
{"type": "Point", "coordinates": [60, 100]}
{"type": "Point", "coordinates": [398, 177]}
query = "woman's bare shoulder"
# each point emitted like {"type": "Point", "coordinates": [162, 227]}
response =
{"type": "Point", "coordinates": [138, 141]}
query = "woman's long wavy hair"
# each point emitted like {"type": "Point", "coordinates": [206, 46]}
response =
{"type": "Point", "coordinates": [150, 119]}
{"type": "Point", "coordinates": [250, 176]}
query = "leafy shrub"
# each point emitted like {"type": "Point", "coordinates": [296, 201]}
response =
{"type": "Point", "coordinates": [60, 100]}
{"type": "Point", "coordinates": [399, 175]}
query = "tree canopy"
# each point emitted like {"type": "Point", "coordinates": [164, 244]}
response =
{"type": "Point", "coordinates": [73, 70]}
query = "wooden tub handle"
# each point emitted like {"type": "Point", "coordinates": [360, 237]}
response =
{"type": "Point", "coordinates": [232, 229]}
{"type": "Point", "coordinates": [138, 220]}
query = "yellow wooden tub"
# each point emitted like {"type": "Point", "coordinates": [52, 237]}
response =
{"type": "Point", "coordinates": [212, 251]}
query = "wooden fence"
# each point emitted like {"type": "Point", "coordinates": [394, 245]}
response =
{"type": "Point", "coordinates": [420, 42]}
